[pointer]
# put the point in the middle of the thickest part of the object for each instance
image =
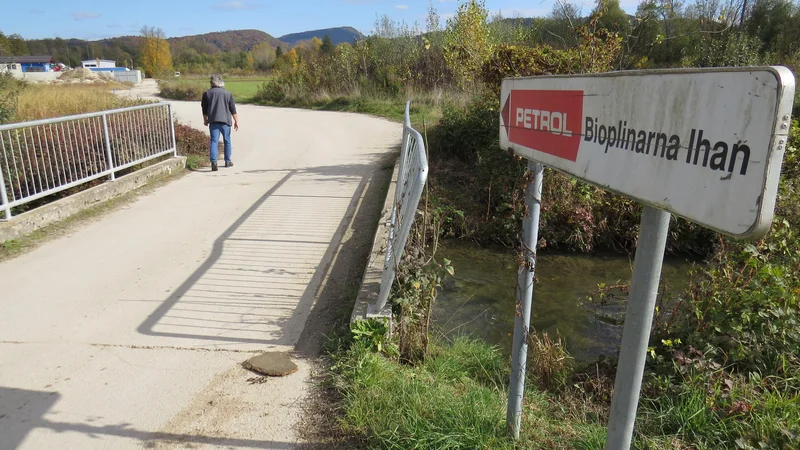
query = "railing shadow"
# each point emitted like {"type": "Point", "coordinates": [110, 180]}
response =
{"type": "Point", "coordinates": [266, 270]}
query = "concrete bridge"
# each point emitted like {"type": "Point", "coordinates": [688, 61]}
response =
{"type": "Point", "coordinates": [129, 331]}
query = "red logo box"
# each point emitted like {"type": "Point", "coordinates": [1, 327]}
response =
{"type": "Point", "coordinates": [546, 121]}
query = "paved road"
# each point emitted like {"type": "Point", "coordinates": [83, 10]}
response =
{"type": "Point", "coordinates": [129, 332]}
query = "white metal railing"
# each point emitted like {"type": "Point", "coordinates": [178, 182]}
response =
{"type": "Point", "coordinates": [44, 157]}
{"type": "Point", "coordinates": [411, 177]}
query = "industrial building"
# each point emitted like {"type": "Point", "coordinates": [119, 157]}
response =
{"type": "Point", "coordinates": [98, 64]}
{"type": "Point", "coordinates": [24, 64]}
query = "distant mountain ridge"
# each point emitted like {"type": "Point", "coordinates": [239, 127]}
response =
{"type": "Point", "coordinates": [228, 41]}
{"type": "Point", "coordinates": [125, 49]}
{"type": "Point", "coordinates": [338, 35]}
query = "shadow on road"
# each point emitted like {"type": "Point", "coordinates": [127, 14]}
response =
{"type": "Point", "coordinates": [266, 270]}
{"type": "Point", "coordinates": [293, 248]}
{"type": "Point", "coordinates": [256, 286]}
{"type": "Point", "coordinates": [32, 406]}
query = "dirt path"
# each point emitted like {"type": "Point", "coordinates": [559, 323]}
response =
{"type": "Point", "coordinates": [129, 333]}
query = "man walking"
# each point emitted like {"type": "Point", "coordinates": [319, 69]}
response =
{"type": "Point", "coordinates": [218, 108]}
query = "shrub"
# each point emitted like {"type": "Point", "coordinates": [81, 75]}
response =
{"type": "Point", "coordinates": [551, 365]}
{"type": "Point", "coordinates": [270, 92]}
{"type": "Point", "coordinates": [175, 90]}
{"type": "Point", "coordinates": [190, 141]}
{"type": "Point", "coordinates": [193, 144]}
{"type": "Point", "coordinates": [10, 90]}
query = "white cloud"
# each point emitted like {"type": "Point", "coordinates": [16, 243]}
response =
{"type": "Point", "coordinates": [85, 15]}
{"type": "Point", "coordinates": [237, 5]}
{"type": "Point", "coordinates": [401, 7]}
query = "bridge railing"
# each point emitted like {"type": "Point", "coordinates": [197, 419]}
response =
{"type": "Point", "coordinates": [44, 157]}
{"type": "Point", "coordinates": [411, 178]}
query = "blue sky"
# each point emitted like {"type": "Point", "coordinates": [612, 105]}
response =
{"type": "Point", "coordinates": [96, 19]}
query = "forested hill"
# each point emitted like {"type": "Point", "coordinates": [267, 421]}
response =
{"type": "Point", "coordinates": [126, 48]}
{"type": "Point", "coordinates": [226, 41]}
{"type": "Point", "coordinates": [338, 35]}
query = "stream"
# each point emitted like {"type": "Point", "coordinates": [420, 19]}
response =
{"type": "Point", "coordinates": [480, 299]}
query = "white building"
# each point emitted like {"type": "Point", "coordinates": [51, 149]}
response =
{"type": "Point", "coordinates": [12, 68]}
{"type": "Point", "coordinates": [98, 64]}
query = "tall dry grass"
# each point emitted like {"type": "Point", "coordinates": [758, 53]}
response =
{"type": "Point", "coordinates": [39, 101]}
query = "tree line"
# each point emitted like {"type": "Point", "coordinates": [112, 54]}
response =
{"type": "Point", "coordinates": [662, 33]}
{"type": "Point", "coordinates": [473, 48]}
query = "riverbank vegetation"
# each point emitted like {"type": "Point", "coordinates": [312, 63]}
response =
{"type": "Point", "coordinates": [724, 354]}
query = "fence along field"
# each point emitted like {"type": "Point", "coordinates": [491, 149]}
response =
{"type": "Point", "coordinates": [45, 157]}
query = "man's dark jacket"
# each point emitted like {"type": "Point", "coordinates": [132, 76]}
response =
{"type": "Point", "coordinates": [218, 105]}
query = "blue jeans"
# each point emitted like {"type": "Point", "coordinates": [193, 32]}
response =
{"type": "Point", "coordinates": [215, 128]}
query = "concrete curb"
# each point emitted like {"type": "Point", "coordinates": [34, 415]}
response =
{"type": "Point", "coordinates": [371, 282]}
{"type": "Point", "coordinates": [31, 221]}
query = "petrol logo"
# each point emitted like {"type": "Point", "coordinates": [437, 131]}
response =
{"type": "Point", "coordinates": [546, 121]}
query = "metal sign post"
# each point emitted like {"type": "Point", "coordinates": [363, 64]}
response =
{"type": "Point", "coordinates": [703, 144]}
{"type": "Point", "coordinates": [522, 323]}
{"type": "Point", "coordinates": [653, 230]}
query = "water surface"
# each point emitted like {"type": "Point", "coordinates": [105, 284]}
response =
{"type": "Point", "coordinates": [480, 300]}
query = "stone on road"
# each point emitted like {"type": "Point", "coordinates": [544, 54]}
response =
{"type": "Point", "coordinates": [130, 332]}
{"type": "Point", "coordinates": [274, 364]}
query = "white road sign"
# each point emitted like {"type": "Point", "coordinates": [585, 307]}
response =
{"type": "Point", "coordinates": [705, 144]}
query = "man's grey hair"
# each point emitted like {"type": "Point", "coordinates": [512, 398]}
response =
{"type": "Point", "coordinates": [216, 81]}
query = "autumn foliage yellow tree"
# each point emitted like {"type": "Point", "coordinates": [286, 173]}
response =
{"type": "Point", "coordinates": [156, 55]}
{"type": "Point", "coordinates": [466, 42]}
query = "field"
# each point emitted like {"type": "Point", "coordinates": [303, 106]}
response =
{"type": "Point", "coordinates": [38, 101]}
{"type": "Point", "coordinates": [243, 89]}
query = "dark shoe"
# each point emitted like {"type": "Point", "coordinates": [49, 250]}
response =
{"type": "Point", "coordinates": [228, 163]}
{"type": "Point", "coordinates": [214, 167]}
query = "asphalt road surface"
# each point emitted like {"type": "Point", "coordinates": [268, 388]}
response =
{"type": "Point", "coordinates": [129, 332]}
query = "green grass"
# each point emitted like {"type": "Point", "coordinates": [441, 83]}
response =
{"type": "Point", "coordinates": [701, 410]}
{"type": "Point", "coordinates": [243, 89]}
{"type": "Point", "coordinates": [196, 162]}
{"type": "Point", "coordinates": [423, 113]}
{"type": "Point", "coordinates": [456, 399]}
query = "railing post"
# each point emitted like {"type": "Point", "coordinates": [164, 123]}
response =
{"type": "Point", "coordinates": [172, 131]}
{"type": "Point", "coordinates": [4, 197]}
{"type": "Point", "coordinates": [111, 176]}
{"type": "Point", "coordinates": [401, 175]}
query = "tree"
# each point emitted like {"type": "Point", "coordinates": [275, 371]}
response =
{"type": "Point", "coordinates": [278, 52]}
{"type": "Point", "coordinates": [263, 56]}
{"type": "Point", "coordinates": [644, 37]}
{"type": "Point", "coordinates": [466, 43]}
{"type": "Point", "coordinates": [768, 20]}
{"type": "Point", "coordinates": [314, 45]}
{"type": "Point", "coordinates": [17, 45]}
{"type": "Point", "coordinates": [156, 55]}
{"type": "Point", "coordinates": [561, 25]}
{"type": "Point", "coordinates": [5, 47]}
{"type": "Point", "coordinates": [327, 46]}
{"type": "Point", "coordinates": [614, 17]}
